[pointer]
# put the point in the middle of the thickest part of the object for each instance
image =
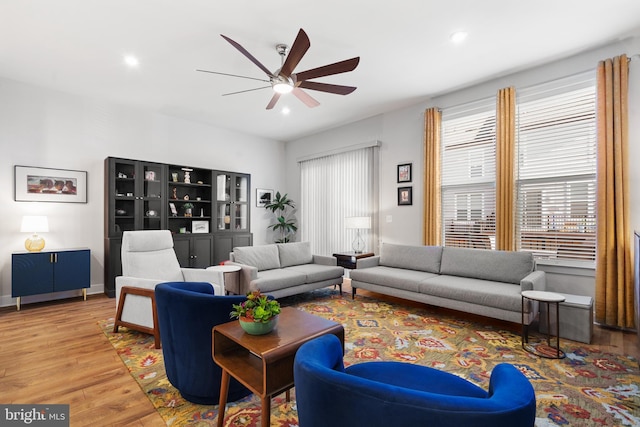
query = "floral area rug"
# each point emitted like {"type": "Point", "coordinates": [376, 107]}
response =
{"type": "Point", "coordinates": [587, 388]}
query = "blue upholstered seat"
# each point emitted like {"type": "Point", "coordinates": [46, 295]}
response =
{"type": "Point", "coordinates": [383, 394]}
{"type": "Point", "coordinates": [187, 311]}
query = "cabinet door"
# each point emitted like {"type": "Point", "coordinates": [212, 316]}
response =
{"type": "Point", "coordinates": [151, 183]}
{"type": "Point", "coordinates": [223, 244]}
{"type": "Point", "coordinates": [232, 202]}
{"type": "Point", "coordinates": [181, 245]}
{"type": "Point", "coordinates": [201, 255]}
{"type": "Point", "coordinates": [31, 274]}
{"type": "Point", "coordinates": [113, 265]}
{"type": "Point", "coordinates": [121, 195]}
{"type": "Point", "coordinates": [71, 270]}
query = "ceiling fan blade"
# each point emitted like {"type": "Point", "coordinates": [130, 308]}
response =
{"type": "Point", "coordinates": [248, 55]}
{"type": "Point", "coordinates": [307, 99]}
{"type": "Point", "coordinates": [328, 70]}
{"type": "Point", "coordinates": [324, 87]}
{"type": "Point", "coordinates": [243, 91]}
{"type": "Point", "coordinates": [273, 101]}
{"type": "Point", "coordinates": [233, 75]}
{"type": "Point", "coordinates": [297, 51]}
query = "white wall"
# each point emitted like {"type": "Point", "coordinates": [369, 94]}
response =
{"type": "Point", "coordinates": [401, 133]}
{"type": "Point", "coordinates": [41, 127]}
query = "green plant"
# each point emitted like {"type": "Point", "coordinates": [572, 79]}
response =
{"type": "Point", "coordinates": [187, 205]}
{"type": "Point", "coordinates": [257, 308]}
{"type": "Point", "coordinates": [282, 207]}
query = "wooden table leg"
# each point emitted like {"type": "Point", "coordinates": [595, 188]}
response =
{"type": "Point", "coordinates": [266, 411]}
{"type": "Point", "coordinates": [224, 390]}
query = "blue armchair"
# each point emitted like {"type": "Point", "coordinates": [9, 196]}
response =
{"type": "Point", "coordinates": [187, 311]}
{"type": "Point", "coordinates": [386, 394]}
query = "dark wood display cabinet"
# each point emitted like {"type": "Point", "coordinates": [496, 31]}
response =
{"type": "Point", "coordinates": [207, 211]}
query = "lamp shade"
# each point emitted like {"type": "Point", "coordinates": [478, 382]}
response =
{"type": "Point", "coordinates": [360, 222]}
{"type": "Point", "coordinates": [34, 224]}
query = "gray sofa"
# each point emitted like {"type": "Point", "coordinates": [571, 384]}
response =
{"type": "Point", "coordinates": [478, 281]}
{"type": "Point", "coordinates": [284, 269]}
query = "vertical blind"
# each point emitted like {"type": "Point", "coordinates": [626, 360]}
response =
{"type": "Point", "coordinates": [468, 181]}
{"type": "Point", "coordinates": [556, 181]}
{"type": "Point", "coordinates": [334, 187]}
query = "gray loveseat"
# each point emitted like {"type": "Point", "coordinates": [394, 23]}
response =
{"type": "Point", "coordinates": [284, 269]}
{"type": "Point", "coordinates": [478, 281]}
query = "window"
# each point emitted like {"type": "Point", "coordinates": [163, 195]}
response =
{"type": "Point", "coordinates": [556, 163]}
{"type": "Point", "coordinates": [469, 175]}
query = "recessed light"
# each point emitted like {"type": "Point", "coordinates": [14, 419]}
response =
{"type": "Point", "coordinates": [131, 61]}
{"type": "Point", "coordinates": [285, 110]}
{"type": "Point", "coordinates": [458, 37]}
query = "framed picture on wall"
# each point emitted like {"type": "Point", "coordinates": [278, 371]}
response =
{"type": "Point", "coordinates": [404, 172]}
{"type": "Point", "coordinates": [35, 184]}
{"type": "Point", "coordinates": [405, 196]}
{"type": "Point", "coordinates": [263, 197]}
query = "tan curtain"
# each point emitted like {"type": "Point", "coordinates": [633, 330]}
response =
{"type": "Point", "coordinates": [614, 281]}
{"type": "Point", "coordinates": [432, 234]}
{"type": "Point", "coordinates": [505, 175]}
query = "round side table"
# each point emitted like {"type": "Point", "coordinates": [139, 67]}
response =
{"type": "Point", "coordinates": [547, 298]}
{"type": "Point", "coordinates": [231, 277]}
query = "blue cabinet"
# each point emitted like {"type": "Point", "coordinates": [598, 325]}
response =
{"type": "Point", "coordinates": [34, 273]}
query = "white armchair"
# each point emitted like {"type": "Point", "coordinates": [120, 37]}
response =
{"type": "Point", "coordinates": [148, 258]}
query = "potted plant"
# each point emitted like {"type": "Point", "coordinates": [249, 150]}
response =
{"type": "Point", "coordinates": [188, 209]}
{"type": "Point", "coordinates": [258, 315]}
{"type": "Point", "coordinates": [285, 224]}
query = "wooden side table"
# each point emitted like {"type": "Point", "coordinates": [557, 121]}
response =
{"type": "Point", "coordinates": [350, 259]}
{"type": "Point", "coordinates": [264, 363]}
{"type": "Point", "coordinates": [547, 298]}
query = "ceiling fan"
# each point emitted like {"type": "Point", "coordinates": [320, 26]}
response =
{"type": "Point", "coordinates": [284, 80]}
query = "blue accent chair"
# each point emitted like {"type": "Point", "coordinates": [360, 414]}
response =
{"type": "Point", "coordinates": [382, 394]}
{"type": "Point", "coordinates": [187, 311]}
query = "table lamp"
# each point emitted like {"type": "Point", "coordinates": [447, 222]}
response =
{"type": "Point", "coordinates": [358, 223]}
{"type": "Point", "coordinates": [34, 224]}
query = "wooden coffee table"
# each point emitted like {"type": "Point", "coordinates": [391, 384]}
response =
{"type": "Point", "coordinates": [264, 363]}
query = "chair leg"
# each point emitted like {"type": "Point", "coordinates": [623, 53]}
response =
{"type": "Point", "coordinates": [150, 293]}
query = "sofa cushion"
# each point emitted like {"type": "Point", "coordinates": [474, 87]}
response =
{"type": "Point", "coordinates": [276, 279]}
{"type": "Point", "coordinates": [421, 258]}
{"type": "Point", "coordinates": [398, 278]}
{"type": "Point", "coordinates": [264, 257]}
{"type": "Point", "coordinates": [498, 266]}
{"type": "Point", "coordinates": [317, 272]}
{"type": "Point", "coordinates": [501, 295]}
{"type": "Point", "coordinates": [295, 253]}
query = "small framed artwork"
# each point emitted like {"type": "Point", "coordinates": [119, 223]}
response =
{"type": "Point", "coordinates": [200, 226]}
{"type": "Point", "coordinates": [174, 211]}
{"type": "Point", "coordinates": [404, 172]}
{"type": "Point", "coordinates": [263, 197]}
{"type": "Point", "coordinates": [149, 175]}
{"type": "Point", "coordinates": [405, 196]}
{"type": "Point", "coordinates": [35, 184]}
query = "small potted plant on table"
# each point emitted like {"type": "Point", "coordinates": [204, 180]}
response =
{"type": "Point", "coordinates": [258, 315]}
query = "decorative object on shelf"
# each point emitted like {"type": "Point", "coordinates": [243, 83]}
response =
{"type": "Point", "coordinates": [188, 209]}
{"type": "Point", "coordinates": [121, 212]}
{"type": "Point", "coordinates": [186, 197]}
{"type": "Point", "coordinates": [152, 213]}
{"type": "Point", "coordinates": [285, 220]}
{"type": "Point", "coordinates": [174, 211]}
{"type": "Point", "coordinates": [122, 175]}
{"type": "Point", "coordinates": [405, 196]}
{"type": "Point", "coordinates": [201, 212]}
{"type": "Point", "coordinates": [200, 226]}
{"type": "Point", "coordinates": [174, 176]}
{"type": "Point", "coordinates": [35, 184]}
{"type": "Point", "coordinates": [263, 197]}
{"type": "Point", "coordinates": [187, 175]}
{"type": "Point", "coordinates": [404, 172]}
{"type": "Point", "coordinates": [149, 176]}
{"type": "Point", "coordinates": [358, 223]}
{"type": "Point", "coordinates": [183, 230]}
{"type": "Point", "coordinates": [34, 224]}
{"type": "Point", "coordinates": [258, 315]}
{"type": "Point", "coordinates": [174, 193]}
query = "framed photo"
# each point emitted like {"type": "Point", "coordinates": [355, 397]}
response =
{"type": "Point", "coordinates": [149, 176]}
{"type": "Point", "coordinates": [405, 196]}
{"type": "Point", "coordinates": [35, 184]}
{"type": "Point", "coordinates": [199, 226]}
{"type": "Point", "coordinates": [174, 211]}
{"type": "Point", "coordinates": [263, 197]}
{"type": "Point", "coordinates": [404, 172]}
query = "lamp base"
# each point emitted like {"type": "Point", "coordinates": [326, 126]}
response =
{"type": "Point", "coordinates": [34, 243]}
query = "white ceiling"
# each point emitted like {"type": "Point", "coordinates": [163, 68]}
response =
{"type": "Point", "coordinates": [77, 46]}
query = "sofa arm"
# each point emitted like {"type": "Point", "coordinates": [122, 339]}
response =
{"type": "Point", "coordinates": [534, 281]}
{"type": "Point", "coordinates": [368, 262]}
{"type": "Point", "coordinates": [215, 278]}
{"type": "Point", "coordinates": [247, 274]}
{"type": "Point", "coordinates": [325, 260]}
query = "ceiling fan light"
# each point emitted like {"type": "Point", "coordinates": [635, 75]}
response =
{"type": "Point", "coordinates": [282, 88]}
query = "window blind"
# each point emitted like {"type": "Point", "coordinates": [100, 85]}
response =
{"type": "Point", "coordinates": [556, 178]}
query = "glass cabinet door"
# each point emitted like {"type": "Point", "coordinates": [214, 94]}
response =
{"type": "Point", "coordinates": [232, 199]}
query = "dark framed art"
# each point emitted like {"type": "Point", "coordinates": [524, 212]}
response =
{"type": "Point", "coordinates": [404, 172]}
{"type": "Point", "coordinates": [35, 184]}
{"type": "Point", "coordinates": [405, 196]}
{"type": "Point", "coordinates": [263, 197]}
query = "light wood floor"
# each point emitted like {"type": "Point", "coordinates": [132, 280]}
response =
{"type": "Point", "coordinates": [55, 353]}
